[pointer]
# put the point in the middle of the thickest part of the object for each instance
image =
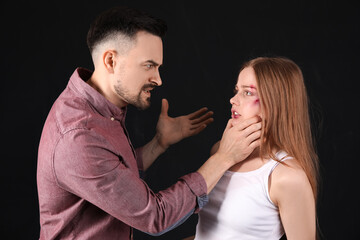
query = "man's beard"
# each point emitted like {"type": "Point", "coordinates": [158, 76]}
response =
{"type": "Point", "coordinates": [134, 100]}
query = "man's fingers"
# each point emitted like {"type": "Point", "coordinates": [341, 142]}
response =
{"type": "Point", "coordinates": [202, 118]}
{"type": "Point", "coordinates": [197, 130]}
{"type": "Point", "coordinates": [251, 129]}
{"type": "Point", "coordinates": [205, 123]}
{"type": "Point", "coordinates": [229, 125]}
{"type": "Point", "coordinates": [254, 136]}
{"type": "Point", "coordinates": [164, 107]}
{"type": "Point", "coordinates": [247, 122]}
{"type": "Point", "coordinates": [198, 113]}
{"type": "Point", "coordinates": [255, 144]}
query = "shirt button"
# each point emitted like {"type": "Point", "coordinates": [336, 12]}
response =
{"type": "Point", "coordinates": [112, 118]}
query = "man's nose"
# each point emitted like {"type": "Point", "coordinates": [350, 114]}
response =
{"type": "Point", "coordinates": [157, 79]}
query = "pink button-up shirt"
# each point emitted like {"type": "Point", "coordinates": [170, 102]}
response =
{"type": "Point", "coordinates": [88, 174]}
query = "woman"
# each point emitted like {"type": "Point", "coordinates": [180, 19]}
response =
{"type": "Point", "coordinates": [274, 190]}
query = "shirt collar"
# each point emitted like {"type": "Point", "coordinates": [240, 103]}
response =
{"type": "Point", "coordinates": [99, 102]}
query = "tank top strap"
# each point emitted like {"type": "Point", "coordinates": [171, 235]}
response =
{"type": "Point", "coordinates": [281, 156]}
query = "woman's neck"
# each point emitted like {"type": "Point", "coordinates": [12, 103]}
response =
{"type": "Point", "coordinates": [252, 162]}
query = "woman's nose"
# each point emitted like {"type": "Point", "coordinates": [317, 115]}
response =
{"type": "Point", "coordinates": [233, 101]}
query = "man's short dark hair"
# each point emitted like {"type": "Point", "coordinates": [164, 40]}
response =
{"type": "Point", "coordinates": [127, 21]}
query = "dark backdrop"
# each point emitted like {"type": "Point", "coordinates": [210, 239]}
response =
{"type": "Point", "coordinates": [42, 44]}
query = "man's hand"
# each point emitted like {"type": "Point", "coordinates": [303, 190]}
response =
{"type": "Point", "coordinates": [172, 130]}
{"type": "Point", "coordinates": [240, 140]}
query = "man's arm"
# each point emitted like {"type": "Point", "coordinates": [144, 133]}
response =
{"type": "Point", "coordinates": [150, 152]}
{"type": "Point", "coordinates": [172, 130]}
{"type": "Point", "coordinates": [86, 165]}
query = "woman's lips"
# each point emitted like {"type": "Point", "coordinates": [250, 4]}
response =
{"type": "Point", "coordinates": [235, 114]}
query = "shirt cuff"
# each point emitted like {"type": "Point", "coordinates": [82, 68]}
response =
{"type": "Point", "coordinates": [197, 185]}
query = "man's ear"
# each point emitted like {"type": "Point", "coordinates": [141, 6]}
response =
{"type": "Point", "coordinates": [109, 60]}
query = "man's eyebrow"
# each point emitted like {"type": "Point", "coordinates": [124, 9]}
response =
{"type": "Point", "coordinates": [152, 62]}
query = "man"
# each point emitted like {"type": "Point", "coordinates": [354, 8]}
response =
{"type": "Point", "coordinates": [88, 181]}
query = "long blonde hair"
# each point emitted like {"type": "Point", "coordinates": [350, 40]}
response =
{"type": "Point", "coordinates": [284, 105]}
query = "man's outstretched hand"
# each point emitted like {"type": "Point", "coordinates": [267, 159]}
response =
{"type": "Point", "coordinates": [172, 130]}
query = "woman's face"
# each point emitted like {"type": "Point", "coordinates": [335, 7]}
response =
{"type": "Point", "coordinates": [245, 103]}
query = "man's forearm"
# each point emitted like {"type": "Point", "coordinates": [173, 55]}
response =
{"type": "Point", "coordinates": [213, 169]}
{"type": "Point", "coordinates": [150, 152]}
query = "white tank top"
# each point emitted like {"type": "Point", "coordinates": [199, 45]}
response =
{"type": "Point", "coordinates": [240, 207]}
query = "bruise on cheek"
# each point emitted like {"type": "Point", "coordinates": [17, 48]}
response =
{"type": "Point", "coordinates": [257, 99]}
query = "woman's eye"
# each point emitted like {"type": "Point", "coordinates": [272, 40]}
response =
{"type": "Point", "coordinates": [247, 93]}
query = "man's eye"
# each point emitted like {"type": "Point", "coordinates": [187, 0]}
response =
{"type": "Point", "coordinates": [149, 65]}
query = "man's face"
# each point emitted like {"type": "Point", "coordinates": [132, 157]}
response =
{"type": "Point", "coordinates": [137, 72]}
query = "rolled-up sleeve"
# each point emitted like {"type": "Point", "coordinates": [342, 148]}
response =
{"type": "Point", "coordinates": [198, 186]}
{"type": "Point", "coordinates": [85, 165]}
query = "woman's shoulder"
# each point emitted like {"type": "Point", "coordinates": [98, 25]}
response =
{"type": "Point", "coordinates": [288, 180]}
{"type": "Point", "coordinates": [289, 172]}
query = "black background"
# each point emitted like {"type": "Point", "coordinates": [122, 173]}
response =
{"type": "Point", "coordinates": [43, 43]}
